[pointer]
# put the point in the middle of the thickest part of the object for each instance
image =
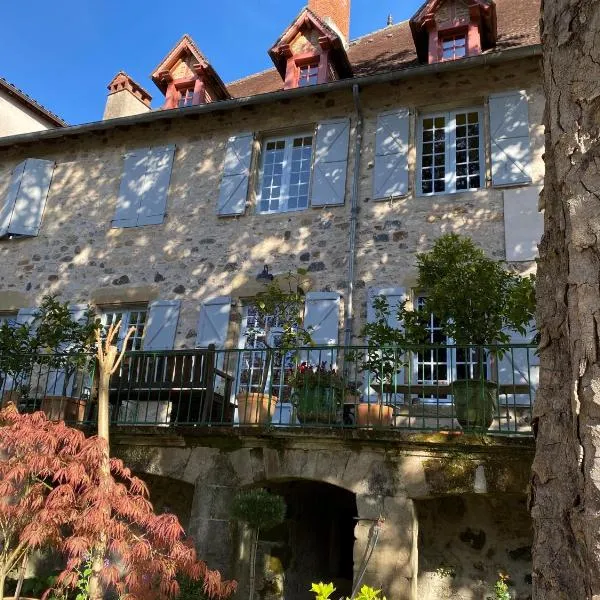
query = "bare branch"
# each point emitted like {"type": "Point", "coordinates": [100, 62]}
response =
{"type": "Point", "coordinates": [124, 347]}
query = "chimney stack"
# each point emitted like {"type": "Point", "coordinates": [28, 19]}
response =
{"type": "Point", "coordinates": [125, 97]}
{"type": "Point", "coordinates": [336, 13]}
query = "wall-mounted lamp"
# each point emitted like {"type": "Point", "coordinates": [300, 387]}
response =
{"type": "Point", "coordinates": [264, 275]}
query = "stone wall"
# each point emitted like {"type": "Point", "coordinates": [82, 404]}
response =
{"type": "Point", "coordinates": [195, 254]}
{"type": "Point", "coordinates": [395, 480]}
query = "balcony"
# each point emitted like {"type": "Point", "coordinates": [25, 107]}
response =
{"type": "Point", "coordinates": [445, 388]}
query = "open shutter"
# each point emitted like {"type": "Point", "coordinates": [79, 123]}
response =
{"type": "Point", "coordinates": [236, 175]}
{"type": "Point", "coordinates": [509, 133]}
{"type": "Point", "coordinates": [213, 322]}
{"type": "Point", "coordinates": [161, 326]}
{"type": "Point", "coordinates": [390, 176]}
{"type": "Point", "coordinates": [331, 163]}
{"type": "Point", "coordinates": [27, 195]}
{"type": "Point", "coordinates": [156, 185]}
{"type": "Point", "coordinates": [523, 223]}
{"type": "Point", "coordinates": [8, 206]}
{"type": "Point", "coordinates": [132, 188]}
{"type": "Point", "coordinates": [26, 316]}
{"type": "Point", "coordinates": [321, 319]}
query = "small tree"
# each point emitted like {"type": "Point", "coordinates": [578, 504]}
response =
{"type": "Point", "coordinates": [259, 509]}
{"type": "Point", "coordinates": [54, 491]}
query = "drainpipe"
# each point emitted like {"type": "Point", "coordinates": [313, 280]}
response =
{"type": "Point", "coordinates": [349, 304]}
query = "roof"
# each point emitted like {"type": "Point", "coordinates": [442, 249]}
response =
{"type": "Point", "coordinates": [393, 47]}
{"type": "Point", "coordinates": [30, 103]}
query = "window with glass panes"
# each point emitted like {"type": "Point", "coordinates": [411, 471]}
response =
{"type": "Point", "coordinates": [308, 75]}
{"type": "Point", "coordinates": [186, 97]}
{"type": "Point", "coordinates": [9, 318]}
{"type": "Point", "coordinates": [130, 317]}
{"type": "Point", "coordinates": [254, 342]}
{"type": "Point", "coordinates": [453, 47]}
{"type": "Point", "coordinates": [451, 152]}
{"type": "Point", "coordinates": [285, 174]}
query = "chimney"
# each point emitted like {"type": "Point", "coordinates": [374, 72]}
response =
{"type": "Point", "coordinates": [336, 13]}
{"type": "Point", "coordinates": [125, 98]}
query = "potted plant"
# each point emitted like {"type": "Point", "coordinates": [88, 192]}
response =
{"type": "Point", "coordinates": [317, 392]}
{"type": "Point", "coordinates": [478, 302]}
{"type": "Point", "coordinates": [279, 310]}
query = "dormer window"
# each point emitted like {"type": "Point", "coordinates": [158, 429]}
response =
{"type": "Point", "coordinates": [186, 97]}
{"type": "Point", "coordinates": [308, 74]}
{"type": "Point", "coordinates": [453, 47]}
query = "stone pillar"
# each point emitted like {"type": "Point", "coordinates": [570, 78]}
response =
{"type": "Point", "coordinates": [393, 564]}
{"type": "Point", "coordinates": [210, 523]}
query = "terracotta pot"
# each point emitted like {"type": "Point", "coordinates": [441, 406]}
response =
{"type": "Point", "coordinates": [255, 407]}
{"type": "Point", "coordinates": [374, 414]}
{"type": "Point", "coordinates": [63, 408]}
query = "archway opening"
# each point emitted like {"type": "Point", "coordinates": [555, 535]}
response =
{"type": "Point", "coordinates": [315, 543]}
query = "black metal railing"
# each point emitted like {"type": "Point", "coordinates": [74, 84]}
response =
{"type": "Point", "coordinates": [421, 388]}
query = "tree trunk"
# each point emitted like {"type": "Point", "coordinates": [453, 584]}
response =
{"type": "Point", "coordinates": [565, 488]}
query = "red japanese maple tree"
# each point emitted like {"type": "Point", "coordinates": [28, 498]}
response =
{"type": "Point", "coordinates": [55, 491]}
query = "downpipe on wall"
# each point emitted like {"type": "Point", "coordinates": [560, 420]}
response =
{"type": "Point", "coordinates": [349, 304]}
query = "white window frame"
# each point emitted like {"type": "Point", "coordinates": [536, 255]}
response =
{"type": "Point", "coordinates": [285, 180]}
{"type": "Point", "coordinates": [450, 151]}
{"type": "Point", "coordinates": [105, 311]}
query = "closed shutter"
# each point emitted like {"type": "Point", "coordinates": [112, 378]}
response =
{"type": "Point", "coordinates": [9, 200]}
{"type": "Point", "coordinates": [321, 319]}
{"type": "Point", "coordinates": [144, 187]}
{"type": "Point", "coordinates": [213, 322]}
{"type": "Point", "coordinates": [27, 195]}
{"type": "Point", "coordinates": [158, 177]}
{"type": "Point", "coordinates": [161, 326]}
{"type": "Point", "coordinates": [509, 133]}
{"type": "Point", "coordinates": [395, 297]}
{"type": "Point", "coordinates": [330, 163]}
{"type": "Point", "coordinates": [233, 192]}
{"type": "Point", "coordinates": [390, 176]}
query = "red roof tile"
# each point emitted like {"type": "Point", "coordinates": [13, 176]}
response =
{"type": "Point", "coordinates": [393, 47]}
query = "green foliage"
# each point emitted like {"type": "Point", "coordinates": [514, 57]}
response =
{"type": "Point", "coordinates": [190, 589]}
{"type": "Point", "coordinates": [83, 581]}
{"type": "Point", "coordinates": [501, 588]}
{"type": "Point", "coordinates": [474, 296]}
{"type": "Point", "coordinates": [258, 508]}
{"type": "Point", "coordinates": [323, 591]}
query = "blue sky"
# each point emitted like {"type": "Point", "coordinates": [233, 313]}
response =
{"type": "Point", "coordinates": [65, 52]}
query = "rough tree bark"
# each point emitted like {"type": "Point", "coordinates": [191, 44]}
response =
{"type": "Point", "coordinates": [565, 490]}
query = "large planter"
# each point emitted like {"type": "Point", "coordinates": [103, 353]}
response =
{"type": "Point", "coordinates": [475, 402]}
{"type": "Point", "coordinates": [64, 408]}
{"type": "Point", "coordinates": [372, 414]}
{"type": "Point", "coordinates": [316, 404]}
{"type": "Point", "coordinates": [255, 408]}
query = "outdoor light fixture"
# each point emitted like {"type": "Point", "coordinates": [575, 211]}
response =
{"type": "Point", "coordinates": [264, 275]}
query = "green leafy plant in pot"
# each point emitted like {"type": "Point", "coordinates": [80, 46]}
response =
{"type": "Point", "coordinates": [478, 302]}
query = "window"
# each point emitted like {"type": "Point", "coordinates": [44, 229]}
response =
{"type": "Point", "coordinates": [9, 318]}
{"type": "Point", "coordinates": [453, 47]}
{"type": "Point", "coordinates": [186, 97]}
{"type": "Point", "coordinates": [308, 75]}
{"type": "Point", "coordinates": [285, 174]}
{"type": "Point", "coordinates": [130, 317]}
{"type": "Point", "coordinates": [451, 152]}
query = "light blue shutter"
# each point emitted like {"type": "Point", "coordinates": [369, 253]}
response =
{"type": "Point", "coordinates": [131, 191]}
{"type": "Point", "coordinates": [156, 185]}
{"type": "Point", "coordinates": [390, 176]}
{"type": "Point", "coordinates": [213, 322]}
{"type": "Point", "coordinates": [321, 319]}
{"type": "Point", "coordinates": [331, 163]}
{"type": "Point", "coordinates": [31, 184]}
{"type": "Point", "coordinates": [161, 326]}
{"type": "Point", "coordinates": [26, 316]}
{"type": "Point", "coordinates": [233, 192]}
{"type": "Point", "coordinates": [509, 133]}
{"type": "Point", "coordinates": [8, 206]}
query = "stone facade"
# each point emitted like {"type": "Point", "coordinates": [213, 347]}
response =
{"type": "Point", "coordinates": [195, 254]}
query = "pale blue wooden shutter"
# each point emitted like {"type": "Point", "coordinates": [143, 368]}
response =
{"type": "Point", "coordinates": [161, 326]}
{"type": "Point", "coordinates": [321, 319]}
{"type": "Point", "coordinates": [131, 190]}
{"type": "Point", "coordinates": [213, 322]}
{"type": "Point", "coordinates": [509, 133]}
{"type": "Point", "coordinates": [330, 163]}
{"type": "Point", "coordinates": [390, 176]}
{"type": "Point", "coordinates": [233, 192]}
{"type": "Point", "coordinates": [8, 206]}
{"type": "Point", "coordinates": [31, 184]}
{"type": "Point", "coordinates": [156, 184]}
{"type": "Point", "coordinates": [26, 316]}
